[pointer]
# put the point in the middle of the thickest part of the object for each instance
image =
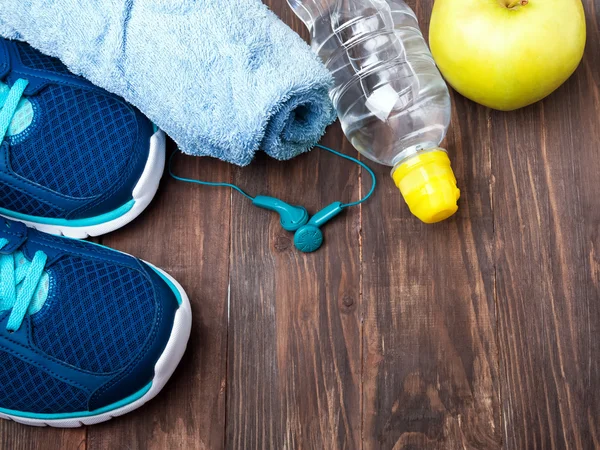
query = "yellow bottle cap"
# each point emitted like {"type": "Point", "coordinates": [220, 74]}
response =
{"type": "Point", "coordinates": [428, 185]}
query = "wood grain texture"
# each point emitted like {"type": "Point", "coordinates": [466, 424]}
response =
{"type": "Point", "coordinates": [14, 436]}
{"type": "Point", "coordinates": [294, 372]}
{"type": "Point", "coordinates": [547, 217]}
{"type": "Point", "coordinates": [431, 366]}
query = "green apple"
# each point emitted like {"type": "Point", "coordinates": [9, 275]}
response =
{"type": "Point", "coordinates": [507, 54]}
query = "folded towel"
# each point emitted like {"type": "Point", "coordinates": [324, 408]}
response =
{"type": "Point", "coordinates": [222, 77]}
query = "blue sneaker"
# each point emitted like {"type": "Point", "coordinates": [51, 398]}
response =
{"type": "Point", "coordinates": [86, 333]}
{"type": "Point", "coordinates": [74, 159]}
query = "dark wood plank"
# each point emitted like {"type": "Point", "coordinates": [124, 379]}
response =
{"type": "Point", "coordinates": [185, 231]}
{"type": "Point", "coordinates": [431, 368]}
{"type": "Point", "coordinates": [14, 436]}
{"type": "Point", "coordinates": [295, 334]}
{"type": "Point", "coordinates": [547, 217]}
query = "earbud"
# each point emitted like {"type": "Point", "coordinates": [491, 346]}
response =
{"type": "Point", "coordinates": [308, 236]}
{"type": "Point", "coordinates": [291, 217]}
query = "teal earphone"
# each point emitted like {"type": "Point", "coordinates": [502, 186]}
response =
{"type": "Point", "coordinates": [308, 236]}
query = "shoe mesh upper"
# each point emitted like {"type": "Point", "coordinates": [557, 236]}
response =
{"type": "Point", "coordinates": [99, 314]}
{"type": "Point", "coordinates": [36, 60]}
{"type": "Point", "coordinates": [81, 144]}
{"type": "Point", "coordinates": [24, 387]}
{"type": "Point", "coordinates": [14, 200]}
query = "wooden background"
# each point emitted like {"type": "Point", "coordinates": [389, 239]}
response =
{"type": "Point", "coordinates": [481, 332]}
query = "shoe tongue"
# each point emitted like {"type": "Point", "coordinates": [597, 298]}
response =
{"type": "Point", "coordinates": [23, 115]}
{"type": "Point", "coordinates": [41, 292]}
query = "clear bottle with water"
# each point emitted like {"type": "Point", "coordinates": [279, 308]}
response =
{"type": "Point", "coordinates": [392, 102]}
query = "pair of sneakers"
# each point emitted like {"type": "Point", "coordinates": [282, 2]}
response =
{"type": "Point", "coordinates": [86, 333]}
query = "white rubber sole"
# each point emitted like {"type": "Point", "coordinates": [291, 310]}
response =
{"type": "Point", "coordinates": [143, 193]}
{"type": "Point", "coordinates": [164, 368]}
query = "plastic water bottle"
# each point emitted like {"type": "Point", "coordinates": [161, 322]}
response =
{"type": "Point", "coordinates": [392, 102]}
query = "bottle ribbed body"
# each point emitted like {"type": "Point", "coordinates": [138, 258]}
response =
{"type": "Point", "coordinates": [389, 95]}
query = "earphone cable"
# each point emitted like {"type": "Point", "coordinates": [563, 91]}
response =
{"type": "Point", "coordinates": [245, 194]}
{"type": "Point", "coordinates": [206, 183]}
{"type": "Point", "coordinates": [361, 164]}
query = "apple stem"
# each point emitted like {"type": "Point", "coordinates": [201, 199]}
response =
{"type": "Point", "coordinates": [514, 3]}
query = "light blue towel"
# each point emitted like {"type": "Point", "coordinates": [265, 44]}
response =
{"type": "Point", "coordinates": [223, 78]}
